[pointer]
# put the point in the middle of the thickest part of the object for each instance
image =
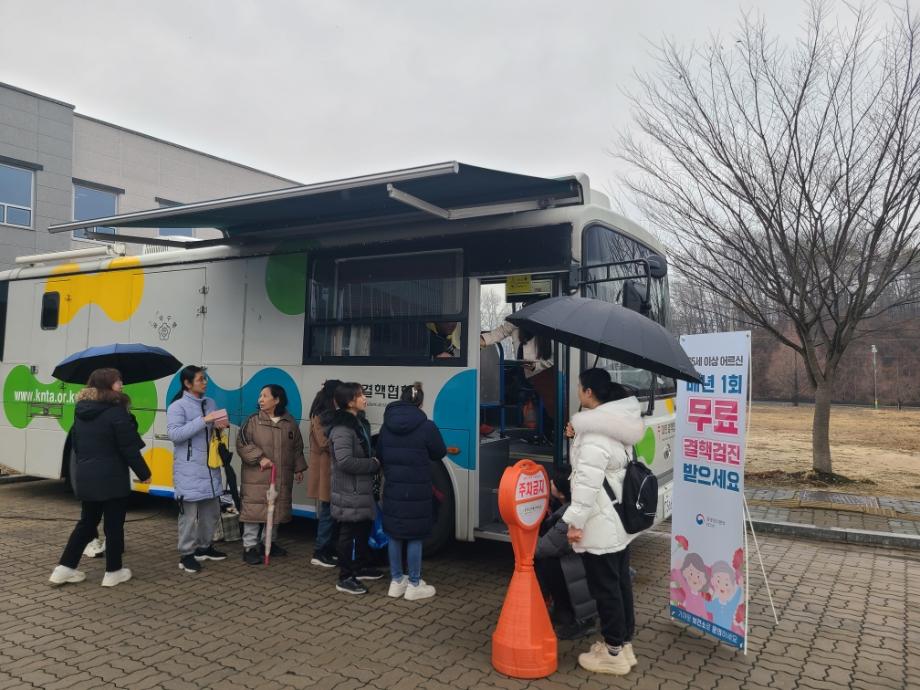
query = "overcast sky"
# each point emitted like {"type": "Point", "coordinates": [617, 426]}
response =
{"type": "Point", "coordinates": [322, 90]}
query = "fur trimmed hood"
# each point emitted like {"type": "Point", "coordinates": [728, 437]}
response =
{"type": "Point", "coordinates": [91, 402]}
{"type": "Point", "coordinates": [620, 420]}
{"type": "Point", "coordinates": [357, 424]}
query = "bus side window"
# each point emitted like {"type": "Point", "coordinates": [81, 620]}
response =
{"type": "Point", "coordinates": [51, 307]}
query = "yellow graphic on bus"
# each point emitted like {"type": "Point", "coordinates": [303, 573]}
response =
{"type": "Point", "coordinates": [160, 462]}
{"type": "Point", "coordinates": [116, 291]}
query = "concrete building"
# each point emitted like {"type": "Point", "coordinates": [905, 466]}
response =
{"type": "Point", "coordinates": [58, 165]}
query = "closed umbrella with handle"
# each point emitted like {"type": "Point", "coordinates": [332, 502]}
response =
{"type": "Point", "coordinates": [270, 497]}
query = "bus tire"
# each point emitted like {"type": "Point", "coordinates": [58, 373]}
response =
{"type": "Point", "coordinates": [442, 531]}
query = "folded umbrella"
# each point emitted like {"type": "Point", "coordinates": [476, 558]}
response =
{"type": "Point", "coordinates": [270, 497]}
{"type": "Point", "coordinates": [135, 361]}
{"type": "Point", "coordinates": [608, 330]}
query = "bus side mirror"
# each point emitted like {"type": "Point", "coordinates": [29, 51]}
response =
{"type": "Point", "coordinates": [657, 265]}
{"type": "Point", "coordinates": [634, 298]}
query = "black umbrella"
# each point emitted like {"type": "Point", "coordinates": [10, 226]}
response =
{"type": "Point", "coordinates": [608, 330]}
{"type": "Point", "coordinates": [136, 363]}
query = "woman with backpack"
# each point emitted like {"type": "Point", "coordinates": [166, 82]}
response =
{"type": "Point", "coordinates": [106, 445]}
{"type": "Point", "coordinates": [609, 423]}
{"type": "Point", "coordinates": [268, 439]}
{"type": "Point", "coordinates": [407, 445]}
{"type": "Point", "coordinates": [353, 472]}
{"type": "Point", "coordinates": [319, 476]}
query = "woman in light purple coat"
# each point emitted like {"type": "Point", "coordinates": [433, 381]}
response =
{"type": "Point", "coordinates": [190, 419]}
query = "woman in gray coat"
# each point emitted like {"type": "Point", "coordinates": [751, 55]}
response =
{"type": "Point", "coordinates": [190, 419]}
{"type": "Point", "coordinates": [353, 471]}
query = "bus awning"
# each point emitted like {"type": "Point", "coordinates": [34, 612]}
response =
{"type": "Point", "coordinates": [450, 191]}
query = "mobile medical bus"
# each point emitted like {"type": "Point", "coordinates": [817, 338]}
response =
{"type": "Point", "coordinates": [353, 280]}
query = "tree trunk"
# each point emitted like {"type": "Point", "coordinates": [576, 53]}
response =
{"type": "Point", "coordinates": [820, 430]}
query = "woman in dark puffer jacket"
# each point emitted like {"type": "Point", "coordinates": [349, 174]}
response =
{"type": "Point", "coordinates": [106, 444]}
{"type": "Point", "coordinates": [408, 443]}
{"type": "Point", "coordinates": [353, 471]}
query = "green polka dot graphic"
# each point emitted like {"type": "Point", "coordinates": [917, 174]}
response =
{"type": "Point", "coordinates": [645, 448]}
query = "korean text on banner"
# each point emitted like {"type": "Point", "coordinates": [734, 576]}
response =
{"type": "Point", "coordinates": [707, 587]}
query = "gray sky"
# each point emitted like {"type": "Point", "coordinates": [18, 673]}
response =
{"type": "Point", "coordinates": [321, 90]}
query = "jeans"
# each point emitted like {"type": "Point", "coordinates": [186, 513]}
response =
{"type": "Point", "coordinates": [85, 531]}
{"type": "Point", "coordinates": [325, 530]}
{"type": "Point", "coordinates": [609, 583]}
{"type": "Point", "coordinates": [354, 536]}
{"type": "Point", "coordinates": [413, 558]}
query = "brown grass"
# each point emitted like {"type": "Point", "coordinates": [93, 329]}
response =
{"type": "Point", "coordinates": [876, 452]}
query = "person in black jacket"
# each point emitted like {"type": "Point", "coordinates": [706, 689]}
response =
{"type": "Point", "coordinates": [407, 445]}
{"type": "Point", "coordinates": [107, 444]}
{"type": "Point", "coordinates": [352, 491]}
{"type": "Point", "coordinates": [559, 569]}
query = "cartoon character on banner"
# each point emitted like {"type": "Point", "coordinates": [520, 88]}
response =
{"type": "Point", "coordinates": [714, 593]}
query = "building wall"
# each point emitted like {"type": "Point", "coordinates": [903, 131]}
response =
{"type": "Point", "coordinates": [37, 132]}
{"type": "Point", "coordinates": [63, 146]}
{"type": "Point", "coordinates": [149, 169]}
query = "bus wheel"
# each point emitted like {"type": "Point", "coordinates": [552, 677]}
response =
{"type": "Point", "coordinates": [442, 532]}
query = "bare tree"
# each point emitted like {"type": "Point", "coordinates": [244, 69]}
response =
{"type": "Point", "coordinates": [788, 178]}
{"type": "Point", "coordinates": [492, 308]}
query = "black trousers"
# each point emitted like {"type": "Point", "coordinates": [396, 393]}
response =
{"type": "Point", "coordinates": [356, 534]}
{"type": "Point", "coordinates": [113, 512]}
{"type": "Point", "coordinates": [552, 584]}
{"type": "Point", "coordinates": [609, 584]}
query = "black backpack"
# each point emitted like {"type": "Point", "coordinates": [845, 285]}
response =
{"type": "Point", "coordinates": [639, 507]}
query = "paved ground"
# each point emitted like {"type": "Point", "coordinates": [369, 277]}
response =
{"type": "Point", "coordinates": [849, 617]}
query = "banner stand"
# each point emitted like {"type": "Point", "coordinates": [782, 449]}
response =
{"type": "Point", "coordinates": [750, 523]}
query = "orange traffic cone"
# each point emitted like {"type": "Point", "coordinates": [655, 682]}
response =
{"type": "Point", "coordinates": [524, 643]}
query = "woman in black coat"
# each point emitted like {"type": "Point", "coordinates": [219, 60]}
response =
{"type": "Point", "coordinates": [106, 444]}
{"type": "Point", "coordinates": [407, 445]}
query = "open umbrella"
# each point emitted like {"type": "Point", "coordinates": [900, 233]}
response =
{"type": "Point", "coordinates": [270, 497]}
{"type": "Point", "coordinates": [135, 361]}
{"type": "Point", "coordinates": [608, 330]}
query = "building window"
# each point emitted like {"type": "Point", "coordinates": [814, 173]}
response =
{"type": "Point", "coordinates": [89, 203]}
{"type": "Point", "coordinates": [16, 196]}
{"type": "Point", "coordinates": [178, 232]}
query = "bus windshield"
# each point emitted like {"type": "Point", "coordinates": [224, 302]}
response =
{"type": "Point", "coordinates": [603, 245]}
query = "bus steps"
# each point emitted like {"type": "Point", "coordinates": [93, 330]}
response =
{"type": "Point", "coordinates": [496, 531]}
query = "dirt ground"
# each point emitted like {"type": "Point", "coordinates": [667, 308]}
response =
{"type": "Point", "coordinates": [878, 450]}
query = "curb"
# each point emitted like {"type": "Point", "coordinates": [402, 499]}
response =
{"type": "Point", "coordinates": [17, 478]}
{"type": "Point", "coordinates": [839, 534]}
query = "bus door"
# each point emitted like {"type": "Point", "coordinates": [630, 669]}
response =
{"type": "Point", "coordinates": [169, 314]}
{"type": "Point", "coordinates": [522, 412]}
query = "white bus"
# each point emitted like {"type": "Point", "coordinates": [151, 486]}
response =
{"type": "Point", "coordinates": [345, 280]}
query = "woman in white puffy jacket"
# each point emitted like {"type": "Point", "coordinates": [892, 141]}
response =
{"type": "Point", "coordinates": [602, 433]}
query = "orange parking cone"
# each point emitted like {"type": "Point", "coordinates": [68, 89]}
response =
{"type": "Point", "coordinates": [524, 643]}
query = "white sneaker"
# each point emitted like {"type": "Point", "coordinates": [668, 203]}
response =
{"type": "Point", "coordinates": [600, 660]}
{"type": "Point", "coordinates": [95, 548]}
{"type": "Point", "coordinates": [116, 577]}
{"type": "Point", "coordinates": [62, 575]}
{"type": "Point", "coordinates": [419, 591]}
{"type": "Point", "coordinates": [398, 587]}
{"type": "Point", "coordinates": [630, 654]}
